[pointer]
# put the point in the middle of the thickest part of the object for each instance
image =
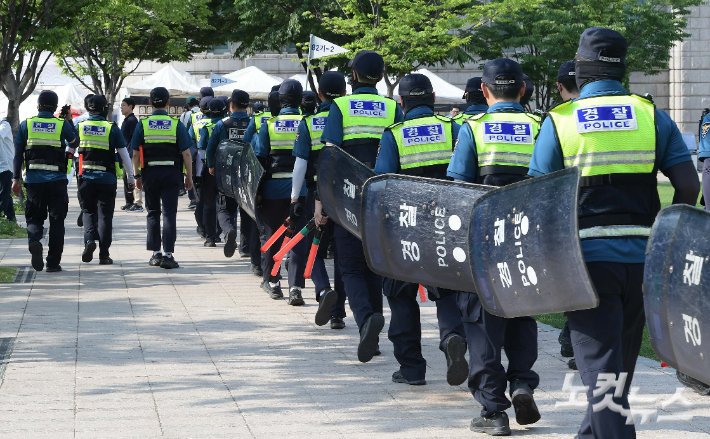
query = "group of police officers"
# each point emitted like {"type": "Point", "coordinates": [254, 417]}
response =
{"type": "Point", "coordinates": [617, 140]}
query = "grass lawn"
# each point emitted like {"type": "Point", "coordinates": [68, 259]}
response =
{"type": "Point", "coordinates": [11, 230]}
{"type": "Point", "coordinates": [558, 321]}
{"type": "Point", "coordinates": [7, 274]}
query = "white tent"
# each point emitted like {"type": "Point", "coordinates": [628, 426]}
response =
{"type": "Point", "coordinates": [177, 82]}
{"type": "Point", "coordinates": [252, 80]}
{"type": "Point", "coordinates": [445, 92]}
{"type": "Point", "coordinates": [301, 77]}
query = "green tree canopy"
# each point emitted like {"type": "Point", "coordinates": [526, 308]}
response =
{"type": "Point", "coordinates": [542, 38]}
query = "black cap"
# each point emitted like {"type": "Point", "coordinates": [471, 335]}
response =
{"type": "Point", "coordinates": [48, 98]}
{"type": "Point", "coordinates": [274, 103]}
{"type": "Point", "coordinates": [206, 91]}
{"type": "Point", "coordinates": [473, 86]}
{"type": "Point", "coordinates": [332, 84]}
{"type": "Point", "coordinates": [566, 72]}
{"type": "Point", "coordinates": [309, 97]}
{"type": "Point", "coordinates": [369, 66]}
{"type": "Point", "coordinates": [415, 85]}
{"type": "Point", "coordinates": [258, 106]}
{"type": "Point", "coordinates": [216, 106]}
{"type": "Point", "coordinates": [240, 98]}
{"type": "Point", "coordinates": [602, 44]}
{"type": "Point", "coordinates": [291, 87]}
{"type": "Point", "coordinates": [159, 96]}
{"type": "Point", "coordinates": [275, 87]}
{"type": "Point", "coordinates": [97, 104]}
{"type": "Point", "coordinates": [502, 71]}
{"type": "Point", "coordinates": [205, 103]}
{"type": "Point", "coordinates": [192, 101]}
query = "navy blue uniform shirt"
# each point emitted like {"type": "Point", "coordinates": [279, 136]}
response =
{"type": "Point", "coordinates": [464, 162]}
{"type": "Point", "coordinates": [302, 146]}
{"type": "Point", "coordinates": [68, 137]}
{"type": "Point", "coordinates": [388, 155]}
{"type": "Point", "coordinates": [704, 148]}
{"type": "Point", "coordinates": [333, 132]}
{"type": "Point", "coordinates": [115, 140]}
{"type": "Point", "coordinates": [219, 134]}
{"type": "Point", "coordinates": [670, 151]}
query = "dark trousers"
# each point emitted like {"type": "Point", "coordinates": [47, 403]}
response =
{"type": "Point", "coordinates": [47, 199]}
{"type": "Point", "coordinates": [208, 201]}
{"type": "Point", "coordinates": [362, 287]}
{"type": "Point", "coordinates": [486, 335]}
{"type": "Point", "coordinates": [130, 199]}
{"type": "Point", "coordinates": [249, 237]}
{"type": "Point", "coordinates": [270, 215]}
{"type": "Point", "coordinates": [6, 205]}
{"type": "Point", "coordinates": [226, 212]}
{"type": "Point", "coordinates": [405, 330]}
{"type": "Point", "coordinates": [607, 339]}
{"type": "Point", "coordinates": [197, 188]}
{"type": "Point", "coordinates": [161, 185]}
{"type": "Point", "coordinates": [99, 201]}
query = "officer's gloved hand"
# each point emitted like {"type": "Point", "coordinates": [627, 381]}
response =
{"type": "Point", "coordinates": [296, 210]}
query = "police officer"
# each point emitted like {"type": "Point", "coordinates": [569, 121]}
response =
{"type": "Point", "coordinates": [429, 158]}
{"type": "Point", "coordinates": [309, 103]}
{"type": "Point", "coordinates": [484, 156]}
{"type": "Point", "coordinates": [39, 144]}
{"type": "Point", "coordinates": [704, 153]}
{"type": "Point", "coordinates": [474, 99]}
{"type": "Point", "coordinates": [199, 120]}
{"type": "Point", "coordinates": [193, 126]}
{"type": "Point", "coordinates": [164, 146]}
{"type": "Point", "coordinates": [331, 303]}
{"type": "Point", "coordinates": [274, 147]}
{"type": "Point", "coordinates": [100, 141]}
{"type": "Point", "coordinates": [233, 128]}
{"type": "Point", "coordinates": [567, 88]}
{"type": "Point", "coordinates": [260, 118]}
{"type": "Point", "coordinates": [618, 141]}
{"type": "Point", "coordinates": [360, 135]}
{"type": "Point", "coordinates": [208, 185]}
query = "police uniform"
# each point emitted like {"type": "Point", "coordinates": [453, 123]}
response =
{"type": "Point", "coordinates": [198, 120]}
{"type": "Point", "coordinates": [359, 134]}
{"type": "Point", "coordinates": [100, 142]}
{"type": "Point", "coordinates": [618, 141]}
{"type": "Point", "coordinates": [402, 151]}
{"type": "Point", "coordinates": [494, 148]}
{"type": "Point", "coordinates": [275, 148]}
{"type": "Point", "coordinates": [233, 128]}
{"type": "Point", "coordinates": [704, 153]}
{"type": "Point", "coordinates": [475, 100]}
{"type": "Point", "coordinates": [331, 302]}
{"type": "Point", "coordinates": [208, 183]}
{"type": "Point", "coordinates": [161, 141]}
{"type": "Point", "coordinates": [40, 144]}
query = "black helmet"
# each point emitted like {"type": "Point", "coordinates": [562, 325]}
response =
{"type": "Point", "coordinates": [290, 93]}
{"type": "Point", "coordinates": [159, 96]}
{"type": "Point", "coordinates": [216, 107]}
{"type": "Point", "coordinates": [274, 103]}
{"type": "Point", "coordinates": [205, 104]}
{"type": "Point", "coordinates": [97, 104]}
{"type": "Point", "coordinates": [332, 84]}
{"type": "Point", "coordinates": [309, 102]}
{"type": "Point", "coordinates": [369, 66]}
{"type": "Point", "coordinates": [48, 99]}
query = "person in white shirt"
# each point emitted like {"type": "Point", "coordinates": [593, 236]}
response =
{"type": "Point", "coordinates": [7, 155]}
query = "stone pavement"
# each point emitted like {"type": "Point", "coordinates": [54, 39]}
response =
{"type": "Point", "coordinates": [134, 351]}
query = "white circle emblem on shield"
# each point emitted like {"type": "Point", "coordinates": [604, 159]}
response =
{"type": "Point", "coordinates": [454, 222]}
{"type": "Point", "coordinates": [459, 254]}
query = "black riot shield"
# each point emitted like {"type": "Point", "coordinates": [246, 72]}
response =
{"type": "Point", "coordinates": [676, 289]}
{"type": "Point", "coordinates": [250, 174]}
{"type": "Point", "coordinates": [526, 254]}
{"type": "Point", "coordinates": [340, 181]}
{"type": "Point", "coordinates": [227, 166]}
{"type": "Point", "coordinates": [416, 229]}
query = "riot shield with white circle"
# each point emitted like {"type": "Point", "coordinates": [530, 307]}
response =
{"type": "Point", "coordinates": [227, 166]}
{"type": "Point", "coordinates": [416, 229]}
{"type": "Point", "coordinates": [525, 248]}
{"type": "Point", "coordinates": [340, 181]}
{"type": "Point", "coordinates": [676, 289]}
{"type": "Point", "coordinates": [250, 174]}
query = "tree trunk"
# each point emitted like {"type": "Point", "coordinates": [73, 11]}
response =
{"type": "Point", "coordinates": [13, 114]}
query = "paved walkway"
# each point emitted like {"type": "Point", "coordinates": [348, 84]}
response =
{"type": "Point", "coordinates": [135, 351]}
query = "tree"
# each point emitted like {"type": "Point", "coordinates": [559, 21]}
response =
{"type": "Point", "coordinates": [107, 35]}
{"type": "Point", "coordinates": [542, 38]}
{"type": "Point", "coordinates": [410, 34]}
{"type": "Point", "coordinates": [28, 28]}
